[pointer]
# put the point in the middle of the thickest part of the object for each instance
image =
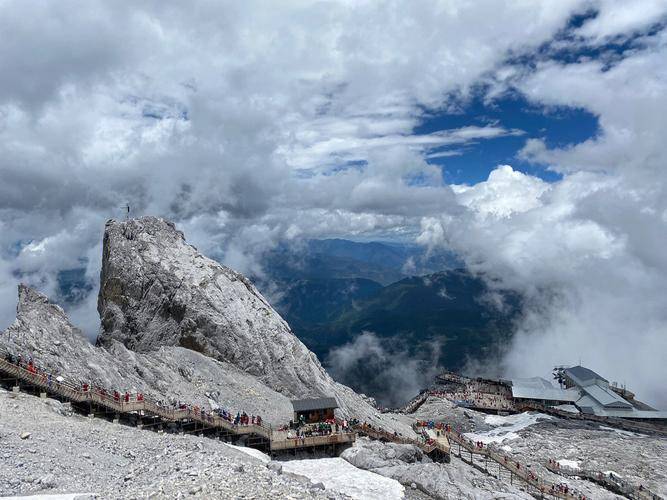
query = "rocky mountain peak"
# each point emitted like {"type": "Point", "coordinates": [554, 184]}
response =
{"type": "Point", "coordinates": [43, 329]}
{"type": "Point", "coordinates": [29, 297]}
{"type": "Point", "coordinates": [156, 290]}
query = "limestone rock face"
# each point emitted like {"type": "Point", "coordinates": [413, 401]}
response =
{"type": "Point", "coordinates": [156, 290]}
{"type": "Point", "coordinates": [371, 455]}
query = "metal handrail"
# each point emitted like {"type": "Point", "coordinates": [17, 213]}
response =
{"type": "Point", "coordinates": [615, 483]}
{"type": "Point", "coordinates": [74, 393]}
{"type": "Point", "coordinates": [542, 485]}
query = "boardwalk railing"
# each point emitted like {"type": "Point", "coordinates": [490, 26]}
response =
{"type": "Point", "coordinates": [611, 482]}
{"type": "Point", "coordinates": [308, 442]}
{"type": "Point", "coordinates": [427, 447]}
{"type": "Point", "coordinates": [146, 406]}
{"type": "Point", "coordinates": [542, 486]}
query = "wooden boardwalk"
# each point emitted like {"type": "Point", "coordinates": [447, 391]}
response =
{"type": "Point", "coordinates": [437, 449]}
{"type": "Point", "coordinates": [146, 411]}
{"type": "Point", "coordinates": [438, 444]}
{"type": "Point", "coordinates": [517, 472]}
{"type": "Point", "coordinates": [613, 483]}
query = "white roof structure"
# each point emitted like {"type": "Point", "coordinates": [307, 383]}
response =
{"type": "Point", "coordinates": [542, 389]}
{"type": "Point", "coordinates": [589, 393]}
{"type": "Point", "coordinates": [582, 376]}
{"type": "Point", "coordinates": [606, 397]}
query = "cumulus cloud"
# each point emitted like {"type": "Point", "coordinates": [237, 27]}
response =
{"type": "Point", "coordinates": [250, 125]}
{"type": "Point", "coordinates": [241, 123]}
{"type": "Point", "coordinates": [390, 375]}
{"type": "Point", "coordinates": [592, 273]}
{"type": "Point", "coordinates": [621, 19]}
{"type": "Point", "coordinates": [587, 252]}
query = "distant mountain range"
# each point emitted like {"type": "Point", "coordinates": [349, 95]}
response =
{"type": "Point", "coordinates": [382, 262]}
{"type": "Point", "coordinates": [421, 310]}
{"type": "Point", "coordinates": [452, 309]}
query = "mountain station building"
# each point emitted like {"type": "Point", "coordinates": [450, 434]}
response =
{"type": "Point", "coordinates": [584, 391]}
{"type": "Point", "coordinates": [314, 410]}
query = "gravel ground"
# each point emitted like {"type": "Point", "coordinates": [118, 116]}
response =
{"type": "Point", "coordinates": [44, 449]}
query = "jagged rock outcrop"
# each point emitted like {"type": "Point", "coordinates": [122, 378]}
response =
{"type": "Point", "coordinates": [157, 290]}
{"type": "Point", "coordinates": [43, 331]}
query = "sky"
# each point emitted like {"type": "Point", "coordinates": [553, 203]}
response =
{"type": "Point", "coordinates": [526, 136]}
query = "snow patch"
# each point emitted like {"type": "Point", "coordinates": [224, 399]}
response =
{"type": "Point", "coordinates": [620, 432]}
{"type": "Point", "coordinates": [263, 457]}
{"type": "Point", "coordinates": [567, 408]}
{"type": "Point", "coordinates": [571, 464]}
{"type": "Point", "coordinates": [338, 475]}
{"type": "Point", "coordinates": [506, 427]}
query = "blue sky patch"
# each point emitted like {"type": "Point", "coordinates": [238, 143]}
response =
{"type": "Point", "coordinates": [471, 163]}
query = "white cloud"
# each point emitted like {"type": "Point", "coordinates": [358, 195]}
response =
{"type": "Point", "coordinates": [504, 193]}
{"type": "Point", "coordinates": [240, 121]}
{"type": "Point", "coordinates": [589, 260]}
{"type": "Point", "coordinates": [623, 18]}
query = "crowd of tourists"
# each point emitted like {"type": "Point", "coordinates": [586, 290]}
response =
{"type": "Point", "coordinates": [476, 399]}
{"type": "Point", "coordinates": [300, 429]}
{"type": "Point", "coordinates": [241, 418]}
{"type": "Point", "coordinates": [27, 363]}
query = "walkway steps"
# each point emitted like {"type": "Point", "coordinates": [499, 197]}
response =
{"type": "Point", "coordinates": [436, 449]}
{"type": "Point", "coordinates": [542, 487]}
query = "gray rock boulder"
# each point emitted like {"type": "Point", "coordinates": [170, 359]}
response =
{"type": "Point", "coordinates": [371, 455]}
